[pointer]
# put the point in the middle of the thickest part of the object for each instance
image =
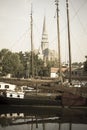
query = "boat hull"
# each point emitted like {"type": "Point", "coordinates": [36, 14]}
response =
{"type": "Point", "coordinates": [69, 99]}
{"type": "Point", "coordinates": [65, 100]}
{"type": "Point", "coordinates": [29, 101]}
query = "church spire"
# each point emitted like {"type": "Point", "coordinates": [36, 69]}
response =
{"type": "Point", "coordinates": [44, 42]}
{"type": "Point", "coordinates": [44, 25]}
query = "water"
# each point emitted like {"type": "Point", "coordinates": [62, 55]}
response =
{"type": "Point", "coordinates": [46, 127]}
{"type": "Point", "coordinates": [28, 118]}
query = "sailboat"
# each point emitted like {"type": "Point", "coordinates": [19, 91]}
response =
{"type": "Point", "coordinates": [68, 98]}
{"type": "Point", "coordinates": [63, 99]}
{"type": "Point", "coordinates": [19, 98]}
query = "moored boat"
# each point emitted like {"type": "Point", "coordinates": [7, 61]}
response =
{"type": "Point", "coordinates": [30, 100]}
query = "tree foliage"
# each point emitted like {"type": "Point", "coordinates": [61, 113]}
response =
{"type": "Point", "coordinates": [11, 63]}
{"type": "Point", "coordinates": [20, 64]}
{"type": "Point", "coordinates": [85, 66]}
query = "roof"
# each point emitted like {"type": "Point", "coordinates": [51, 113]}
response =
{"type": "Point", "coordinates": [55, 70]}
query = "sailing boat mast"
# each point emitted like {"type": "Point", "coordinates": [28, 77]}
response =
{"type": "Point", "coordinates": [32, 72]}
{"type": "Point", "coordinates": [58, 33]}
{"type": "Point", "coordinates": [69, 44]}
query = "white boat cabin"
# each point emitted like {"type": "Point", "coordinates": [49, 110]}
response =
{"type": "Point", "coordinates": [27, 89]}
{"type": "Point", "coordinates": [8, 90]}
{"type": "Point", "coordinates": [6, 86]}
{"type": "Point", "coordinates": [14, 94]}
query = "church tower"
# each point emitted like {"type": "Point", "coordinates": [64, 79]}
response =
{"type": "Point", "coordinates": [44, 42]}
{"type": "Point", "coordinates": [44, 52]}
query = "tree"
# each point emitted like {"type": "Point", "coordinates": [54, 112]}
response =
{"type": "Point", "coordinates": [19, 64]}
{"type": "Point", "coordinates": [85, 66]}
{"type": "Point", "coordinates": [37, 64]}
{"type": "Point", "coordinates": [11, 63]}
{"type": "Point", "coordinates": [20, 71]}
{"type": "Point", "coordinates": [3, 52]}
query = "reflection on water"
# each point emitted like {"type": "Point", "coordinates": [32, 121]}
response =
{"type": "Point", "coordinates": [33, 118]}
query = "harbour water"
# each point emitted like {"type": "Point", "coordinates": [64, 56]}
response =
{"type": "Point", "coordinates": [28, 118]}
{"type": "Point", "coordinates": [48, 126]}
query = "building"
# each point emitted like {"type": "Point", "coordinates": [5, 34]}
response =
{"type": "Point", "coordinates": [44, 52]}
{"type": "Point", "coordinates": [54, 71]}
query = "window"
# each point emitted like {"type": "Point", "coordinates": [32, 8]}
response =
{"type": "Point", "coordinates": [6, 86]}
{"type": "Point", "coordinates": [10, 95]}
{"type": "Point", "coordinates": [18, 95]}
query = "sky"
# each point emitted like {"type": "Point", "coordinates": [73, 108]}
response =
{"type": "Point", "coordinates": [15, 26]}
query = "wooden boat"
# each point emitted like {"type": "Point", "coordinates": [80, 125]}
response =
{"type": "Point", "coordinates": [68, 99]}
{"type": "Point", "coordinates": [29, 101]}
{"type": "Point", "coordinates": [10, 96]}
{"type": "Point", "coordinates": [18, 98]}
{"type": "Point", "coordinates": [65, 99]}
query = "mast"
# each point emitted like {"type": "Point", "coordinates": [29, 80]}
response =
{"type": "Point", "coordinates": [32, 71]}
{"type": "Point", "coordinates": [58, 34]}
{"type": "Point", "coordinates": [69, 44]}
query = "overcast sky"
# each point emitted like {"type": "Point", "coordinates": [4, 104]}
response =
{"type": "Point", "coordinates": [15, 26]}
